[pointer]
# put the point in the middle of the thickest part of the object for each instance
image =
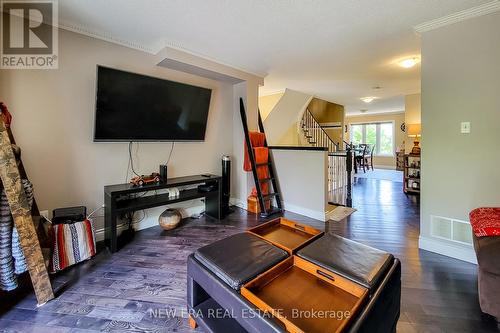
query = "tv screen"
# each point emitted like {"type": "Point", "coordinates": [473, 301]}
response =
{"type": "Point", "coordinates": [133, 107]}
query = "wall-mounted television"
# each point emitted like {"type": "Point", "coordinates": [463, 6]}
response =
{"type": "Point", "coordinates": [134, 107]}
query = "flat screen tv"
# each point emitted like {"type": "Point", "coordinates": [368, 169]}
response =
{"type": "Point", "coordinates": [134, 107]}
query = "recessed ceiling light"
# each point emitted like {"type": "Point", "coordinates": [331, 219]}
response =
{"type": "Point", "coordinates": [409, 63]}
{"type": "Point", "coordinates": [368, 99]}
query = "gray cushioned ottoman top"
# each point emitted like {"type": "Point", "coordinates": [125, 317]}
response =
{"type": "Point", "coordinates": [239, 258]}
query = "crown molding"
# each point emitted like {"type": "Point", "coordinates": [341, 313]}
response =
{"type": "Point", "coordinates": [460, 16]}
{"type": "Point", "coordinates": [105, 37]}
{"type": "Point", "coordinates": [148, 49]}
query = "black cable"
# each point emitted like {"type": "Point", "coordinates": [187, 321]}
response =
{"type": "Point", "coordinates": [131, 159]}
{"type": "Point", "coordinates": [171, 150]}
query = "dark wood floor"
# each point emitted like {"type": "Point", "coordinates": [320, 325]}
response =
{"type": "Point", "coordinates": [118, 293]}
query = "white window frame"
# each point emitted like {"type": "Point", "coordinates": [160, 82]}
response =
{"type": "Point", "coordinates": [376, 152]}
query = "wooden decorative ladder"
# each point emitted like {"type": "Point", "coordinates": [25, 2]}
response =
{"type": "Point", "coordinates": [11, 174]}
{"type": "Point", "coordinates": [264, 212]}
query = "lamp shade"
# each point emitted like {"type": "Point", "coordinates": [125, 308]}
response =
{"type": "Point", "coordinates": [414, 130]}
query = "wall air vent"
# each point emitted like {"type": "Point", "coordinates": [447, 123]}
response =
{"type": "Point", "coordinates": [451, 229]}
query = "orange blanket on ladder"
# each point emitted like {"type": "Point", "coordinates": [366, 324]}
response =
{"type": "Point", "coordinates": [261, 154]}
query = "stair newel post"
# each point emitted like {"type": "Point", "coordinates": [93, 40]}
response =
{"type": "Point", "coordinates": [349, 179]}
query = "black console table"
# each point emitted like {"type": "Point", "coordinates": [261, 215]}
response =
{"type": "Point", "coordinates": [120, 199]}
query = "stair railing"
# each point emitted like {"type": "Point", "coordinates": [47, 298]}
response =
{"type": "Point", "coordinates": [315, 134]}
{"type": "Point", "coordinates": [339, 162]}
{"type": "Point", "coordinates": [340, 177]}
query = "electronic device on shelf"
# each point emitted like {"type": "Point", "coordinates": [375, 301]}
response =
{"type": "Point", "coordinates": [163, 173]}
{"type": "Point", "coordinates": [173, 192]}
{"type": "Point", "coordinates": [226, 185]}
{"type": "Point", "coordinates": [209, 187]}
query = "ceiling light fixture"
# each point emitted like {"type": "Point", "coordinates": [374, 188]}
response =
{"type": "Point", "coordinates": [368, 99]}
{"type": "Point", "coordinates": [409, 63]}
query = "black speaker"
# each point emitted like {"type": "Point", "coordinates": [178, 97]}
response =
{"type": "Point", "coordinates": [226, 184]}
{"type": "Point", "coordinates": [163, 173]}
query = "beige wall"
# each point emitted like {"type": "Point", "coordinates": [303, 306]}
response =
{"type": "Point", "coordinates": [53, 114]}
{"type": "Point", "coordinates": [305, 195]}
{"type": "Point", "coordinates": [327, 112]}
{"type": "Point", "coordinates": [460, 82]}
{"type": "Point", "coordinates": [267, 103]}
{"type": "Point", "coordinates": [399, 136]}
{"type": "Point", "coordinates": [282, 124]}
{"type": "Point", "coordinates": [412, 115]}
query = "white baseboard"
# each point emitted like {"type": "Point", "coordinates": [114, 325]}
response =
{"type": "Point", "coordinates": [288, 207]}
{"type": "Point", "coordinates": [457, 251]}
{"type": "Point", "coordinates": [238, 203]}
{"type": "Point", "coordinates": [314, 214]}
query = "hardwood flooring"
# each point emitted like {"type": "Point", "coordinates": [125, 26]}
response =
{"type": "Point", "coordinates": [142, 288]}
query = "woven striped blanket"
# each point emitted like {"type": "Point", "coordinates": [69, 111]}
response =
{"type": "Point", "coordinates": [73, 243]}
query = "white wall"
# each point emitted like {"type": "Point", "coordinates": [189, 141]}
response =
{"type": "Point", "coordinates": [460, 82]}
{"type": "Point", "coordinates": [302, 177]}
{"type": "Point", "coordinates": [281, 124]}
{"type": "Point", "coordinates": [53, 114]}
{"type": "Point", "coordinates": [242, 181]}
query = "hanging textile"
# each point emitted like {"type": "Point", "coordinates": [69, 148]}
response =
{"type": "Point", "coordinates": [12, 260]}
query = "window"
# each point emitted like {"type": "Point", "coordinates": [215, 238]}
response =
{"type": "Point", "coordinates": [379, 134]}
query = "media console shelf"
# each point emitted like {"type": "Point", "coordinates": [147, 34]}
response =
{"type": "Point", "coordinates": [120, 199]}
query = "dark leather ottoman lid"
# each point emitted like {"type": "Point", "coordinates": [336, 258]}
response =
{"type": "Point", "coordinates": [352, 260]}
{"type": "Point", "coordinates": [239, 258]}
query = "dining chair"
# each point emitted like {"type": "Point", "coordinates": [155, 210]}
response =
{"type": "Point", "coordinates": [359, 156]}
{"type": "Point", "coordinates": [368, 156]}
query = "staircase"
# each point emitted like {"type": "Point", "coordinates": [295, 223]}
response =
{"type": "Point", "coordinates": [339, 161]}
{"type": "Point", "coordinates": [315, 134]}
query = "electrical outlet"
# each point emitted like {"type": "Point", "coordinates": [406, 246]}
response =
{"type": "Point", "coordinates": [44, 213]}
{"type": "Point", "coordinates": [465, 127]}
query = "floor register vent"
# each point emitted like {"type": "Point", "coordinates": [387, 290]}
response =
{"type": "Point", "coordinates": [451, 229]}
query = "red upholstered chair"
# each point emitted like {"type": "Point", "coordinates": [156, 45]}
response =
{"type": "Point", "coordinates": [486, 234]}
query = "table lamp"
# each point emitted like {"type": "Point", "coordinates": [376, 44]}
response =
{"type": "Point", "coordinates": [414, 132]}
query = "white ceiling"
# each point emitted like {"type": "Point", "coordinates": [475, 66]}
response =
{"type": "Point", "coordinates": [335, 49]}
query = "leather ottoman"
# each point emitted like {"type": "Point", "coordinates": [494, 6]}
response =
{"type": "Point", "coordinates": [215, 276]}
{"type": "Point", "coordinates": [352, 260]}
{"type": "Point", "coordinates": [366, 266]}
{"type": "Point", "coordinates": [239, 258]}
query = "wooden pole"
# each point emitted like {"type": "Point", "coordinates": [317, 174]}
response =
{"type": "Point", "coordinates": [21, 212]}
